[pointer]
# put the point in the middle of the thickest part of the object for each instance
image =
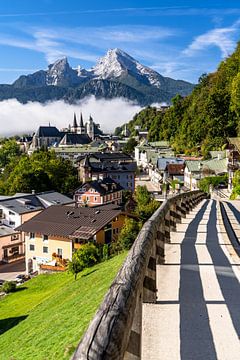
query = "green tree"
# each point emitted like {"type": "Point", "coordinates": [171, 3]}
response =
{"type": "Point", "coordinates": [9, 150]}
{"type": "Point", "coordinates": [146, 206]}
{"type": "Point", "coordinates": [128, 233]}
{"type": "Point", "coordinates": [86, 256]}
{"type": "Point", "coordinates": [130, 146]}
{"type": "Point", "coordinates": [142, 196]}
{"type": "Point", "coordinates": [41, 171]}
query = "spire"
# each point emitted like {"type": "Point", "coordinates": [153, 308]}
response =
{"type": "Point", "coordinates": [74, 121]}
{"type": "Point", "coordinates": [81, 121]}
{"type": "Point", "coordinates": [90, 118]}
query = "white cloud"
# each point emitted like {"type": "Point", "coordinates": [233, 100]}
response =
{"type": "Point", "coordinates": [223, 38]}
{"type": "Point", "coordinates": [56, 42]}
{"type": "Point", "coordinates": [146, 11]}
{"type": "Point", "coordinates": [16, 118]}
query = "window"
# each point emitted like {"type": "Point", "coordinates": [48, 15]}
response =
{"type": "Point", "coordinates": [45, 237]}
{"type": "Point", "coordinates": [32, 235]}
{"type": "Point", "coordinates": [11, 222]}
{"type": "Point", "coordinates": [95, 198]}
{"type": "Point", "coordinates": [14, 237]}
{"type": "Point", "coordinates": [59, 252]}
{"type": "Point", "coordinates": [15, 250]}
{"type": "Point", "coordinates": [31, 247]}
{"type": "Point", "coordinates": [11, 213]}
{"type": "Point", "coordinates": [114, 231]}
{"type": "Point", "coordinates": [45, 249]}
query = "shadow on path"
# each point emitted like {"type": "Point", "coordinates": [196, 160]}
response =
{"type": "Point", "coordinates": [226, 277]}
{"type": "Point", "coordinates": [196, 340]}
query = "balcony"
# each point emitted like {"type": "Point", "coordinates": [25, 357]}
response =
{"type": "Point", "coordinates": [12, 258]}
{"type": "Point", "coordinates": [46, 267]}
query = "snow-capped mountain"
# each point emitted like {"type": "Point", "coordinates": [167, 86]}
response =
{"type": "Point", "coordinates": [117, 74]}
{"type": "Point", "coordinates": [117, 63]}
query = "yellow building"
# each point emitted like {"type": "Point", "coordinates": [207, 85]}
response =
{"type": "Point", "coordinates": [59, 230]}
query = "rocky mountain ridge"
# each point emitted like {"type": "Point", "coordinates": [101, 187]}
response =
{"type": "Point", "coordinates": [117, 74]}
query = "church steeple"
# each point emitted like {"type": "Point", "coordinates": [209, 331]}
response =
{"type": "Point", "coordinates": [90, 127]}
{"type": "Point", "coordinates": [81, 121]}
{"type": "Point", "coordinates": [75, 121]}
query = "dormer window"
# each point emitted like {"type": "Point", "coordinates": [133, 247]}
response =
{"type": "Point", "coordinates": [45, 237]}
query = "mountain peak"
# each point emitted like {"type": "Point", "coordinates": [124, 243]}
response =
{"type": "Point", "coordinates": [114, 64]}
{"type": "Point", "coordinates": [60, 63]}
{"type": "Point", "coordinates": [60, 73]}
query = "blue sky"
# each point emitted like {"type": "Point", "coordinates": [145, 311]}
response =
{"type": "Point", "coordinates": [179, 39]}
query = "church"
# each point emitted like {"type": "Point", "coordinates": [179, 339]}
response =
{"type": "Point", "coordinates": [77, 134]}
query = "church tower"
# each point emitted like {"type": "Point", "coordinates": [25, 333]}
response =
{"type": "Point", "coordinates": [82, 127]}
{"type": "Point", "coordinates": [90, 128]}
{"type": "Point", "coordinates": [75, 126]}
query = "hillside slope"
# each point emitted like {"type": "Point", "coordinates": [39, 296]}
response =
{"type": "Point", "coordinates": [48, 316]}
{"type": "Point", "coordinates": [206, 118]}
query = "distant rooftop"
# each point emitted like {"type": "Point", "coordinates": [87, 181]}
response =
{"type": "Point", "coordinates": [33, 202]}
{"type": "Point", "coordinates": [48, 131]}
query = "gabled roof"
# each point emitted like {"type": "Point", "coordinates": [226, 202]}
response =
{"type": "Point", "coordinates": [68, 221]}
{"type": "Point", "coordinates": [108, 166]}
{"type": "Point", "coordinates": [176, 169]}
{"type": "Point", "coordinates": [48, 131]}
{"type": "Point", "coordinates": [162, 162]}
{"type": "Point", "coordinates": [75, 139]}
{"type": "Point", "coordinates": [194, 165]}
{"type": "Point", "coordinates": [110, 156]}
{"type": "Point", "coordinates": [218, 166]}
{"type": "Point", "coordinates": [102, 186]}
{"type": "Point", "coordinates": [34, 202]}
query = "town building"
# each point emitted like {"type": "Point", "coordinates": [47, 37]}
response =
{"type": "Point", "coordinates": [195, 170]}
{"type": "Point", "coordinates": [93, 168]}
{"type": "Point", "coordinates": [46, 136]}
{"type": "Point", "coordinates": [175, 172]}
{"type": "Point", "coordinates": [17, 209]}
{"type": "Point", "coordinates": [99, 192]}
{"type": "Point", "coordinates": [60, 230]}
{"type": "Point", "coordinates": [75, 134]}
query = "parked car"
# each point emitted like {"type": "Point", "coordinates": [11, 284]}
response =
{"type": "Point", "coordinates": [19, 279]}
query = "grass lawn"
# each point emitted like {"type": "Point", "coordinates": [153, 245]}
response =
{"type": "Point", "coordinates": [47, 316]}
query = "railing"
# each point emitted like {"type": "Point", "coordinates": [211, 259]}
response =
{"type": "Point", "coordinates": [115, 331]}
{"type": "Point", "coordinates": [13, 257]}
{"type": "Point", "coordinates": [52, 268]}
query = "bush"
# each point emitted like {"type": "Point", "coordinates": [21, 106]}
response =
{"type": "Point", "coordinates": [204, 184]}
{"type": "Point", "coordinates": [128, 233]}
{"type": "Point", "coordinates": [9, 286]}
{"type": "Point", "coordinates": [105, 252]}
{"type": "Point", "coordinates": [86, 256]}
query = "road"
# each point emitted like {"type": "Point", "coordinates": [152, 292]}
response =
{"type": "Point", "coordinates": [144, 180]}
{"type": "Point", "coordinates": [9, 271]}
{"type": "Point", "coordinates": [197, 312]}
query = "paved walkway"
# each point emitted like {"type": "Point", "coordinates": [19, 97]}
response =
{"type": "Point", "coordinates": [10, 271]}
{"type": "Point", "coordinates": [197, 316]}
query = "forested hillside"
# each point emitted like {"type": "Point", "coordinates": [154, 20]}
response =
{"type": "Point", "coordinates": [203, 120]}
